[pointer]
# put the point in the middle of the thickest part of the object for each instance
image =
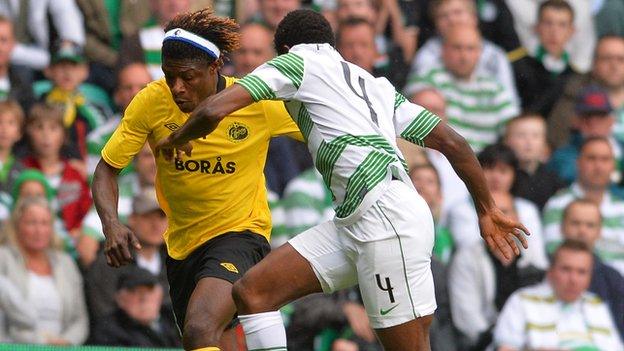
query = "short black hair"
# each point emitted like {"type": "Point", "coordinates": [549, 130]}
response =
{"type": "Point", "coordinates": [571, 245]}
{"type": "Point", "coordinates": [223, 32]}
{"type": "Point", "coordinates": [555, 5]}
{"type": "Point", "coordinates": [497, 153]}
{"type": "Point", "coordinates": [303, 27]}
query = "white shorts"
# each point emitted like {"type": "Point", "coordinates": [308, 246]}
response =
{"type": "Point", "coordinates": [387, 252]}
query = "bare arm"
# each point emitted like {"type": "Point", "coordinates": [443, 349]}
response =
{"type": "Point", "coordinates": [497, 230]}
{"type": "Point", "coordinates": [119, 238]}
{"type": "Point", "coordinates": [205, 119]}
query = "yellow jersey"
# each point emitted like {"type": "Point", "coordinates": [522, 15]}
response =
{"type": "Point", "coordinates": [221, 187]}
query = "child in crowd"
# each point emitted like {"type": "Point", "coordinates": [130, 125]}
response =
{"type": "Point", "coordinates": [11, 121]}
{"type": "Point", "coordinates": [67, 71]}
{"type": "Point", "coordinates": [526, 136]}
{"type": "Point", "coordinates": [549, 69]}
{"type": "Point", "coordinates": [46, 134]}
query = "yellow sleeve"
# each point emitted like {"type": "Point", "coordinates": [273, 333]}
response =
{"type": "Point", "coordinates": [279, 120]}
{"type": "Point", "coordinates": [131, 133]}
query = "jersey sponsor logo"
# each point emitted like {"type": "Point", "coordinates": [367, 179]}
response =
{"type": "Point", "coordinates": [237, 132]}
{"type": "Point", "coordinates": [172, 126]}
{"type": "Point", "coordinates": [385, 312]}
{"type": "Point", "coordinates": [205, 166]}
{"type": "Point", "coordinates": [229, 266]}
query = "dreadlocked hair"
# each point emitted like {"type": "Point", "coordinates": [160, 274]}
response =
{"type": "Point", "coordinates": [303, 27]}
{"type": "Point", "coordinates": [223, 32]}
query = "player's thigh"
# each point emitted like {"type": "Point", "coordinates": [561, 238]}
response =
{"type": "Point", "coordinates": [410, 336]}
{"type": "Point", "coordinates": [313, 261]}
{"type": "Point", "coordinates": [394, 273]}
{"type": "Point", "coordinates": [211, 304]}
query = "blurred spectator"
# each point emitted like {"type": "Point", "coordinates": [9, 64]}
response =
{"type": "Point", "coordinates": [582, 221]}
{"type": "Point", "coordinates": [582, 44]}
{"type": "Point", "coordinates": [14, 312]}
{"type": "Point", "coordinates": [146, 45]}
{"type": "Point", "coordinates": [499, 165]}
{"type": "Point", "coordinates": [548, 69]}
{"type": "Point", "coordinates": [11, 124]}
{"type": "Point", "coordinates": [139, 318]}
{"type": "Point", "coordinates": [130, 80]}
{"type": "Point", "coordinates": [306, 202]}
{"type": "Point", "coordinates": [479, 285]}
{"type": "Point", "coordinates": [478, 106]}
{"type": "Point", "coordinates": [526, 136]}
{"type": "Point", "coordinates": [273, 11]}
{"type": "Point", "coordinates": [32, 28]}
{"type": "Point", "coordinates": [608, 17]}
{"type": "Point", "coordinates": [46, 134]}
{"type": "Point", "coordinates": [594, 118]}
{"type": "Point", "coordinates": [559, 313]}
{"type": "Point", "coordinates": [67, 72]}
{"type": "Point", "coordinates": [355, 40]}
{"type": "Point", "coordinates": [106, 24]}
{"type": "Point", "coordinates": [427, 182]}
{"type": "Point", "coordinates": [453, 188]}
{"type": "Point", "coordinates": [395, 36]}
{"type": "Point", "coordinates": [608, 73]}
{"type": "Point", "coordinates": [46, 277]}
{"type": "Point", "coordinates": [148, 223]}
{"type": "Point", "coordinates": [491, 60]}
{"type": "Point", "coordinates": [12, 86]}
{"type": "Point", "coordinates": [595, 166]}
{"type": "Point", "coordinates": [256, 48]}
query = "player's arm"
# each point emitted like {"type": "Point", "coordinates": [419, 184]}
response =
{"type": "Point", "coordinates": [497, 230]}
{"type": "Point", "coordinates": [127, 140]}
{"type": "Point", "coordinates": [205, 119]}
{"type": "Point", "coordinates": [105, 191]}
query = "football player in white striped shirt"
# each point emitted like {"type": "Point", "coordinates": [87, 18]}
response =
{"type": "Point", "coordinates": [382, 235]}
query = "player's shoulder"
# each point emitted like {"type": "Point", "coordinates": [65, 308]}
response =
{"type": "Point", "coordinates": [262, 107]}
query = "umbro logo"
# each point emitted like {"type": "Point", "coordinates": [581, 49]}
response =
{"type": "Point", "coordinates": [172, 126]}
{"type": "Point", "coordinates": [230, 267]}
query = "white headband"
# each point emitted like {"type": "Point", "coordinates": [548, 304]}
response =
{"type": "Point", "coordinates": [195, 40]}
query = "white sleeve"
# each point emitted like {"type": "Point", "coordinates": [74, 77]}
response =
{"type": "Point", "coordinates": [67, 20]}
{"type": "Point", "coordinates": [536, 253]}
{"type": "Point", "coordinates": [509, 330]}
{"type": "Point", "coordinates": [278, 79]}
{"type": "Point", "coordinates": [412, 122]}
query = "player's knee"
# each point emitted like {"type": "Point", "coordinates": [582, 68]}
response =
{"type": "Point", "coordinates": [199, 334]}
{"type": "Point", "coordinates": [247, 299]}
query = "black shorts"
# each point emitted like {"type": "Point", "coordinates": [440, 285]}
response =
{"type": "Point", "coordinates": [227, 256]}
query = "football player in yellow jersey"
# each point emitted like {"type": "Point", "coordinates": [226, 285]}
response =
{"type": "Point", "coordinates": [214, 198]}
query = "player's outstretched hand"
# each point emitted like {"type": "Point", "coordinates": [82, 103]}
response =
{"type": "Point", "coordinates": [499, 231]}
{"type": "Point", "coordinates": [120, 242]}
{"type": "Point", "coordinates": [168, 148]}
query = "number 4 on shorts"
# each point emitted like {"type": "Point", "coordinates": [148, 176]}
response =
{"type": "Point", "coordinates": [388, 287]}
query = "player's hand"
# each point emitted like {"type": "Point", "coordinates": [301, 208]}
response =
{"type": "Point", "coordinates": [169, 149]}
{"type": "Point", "coordinates": [358, 321]}
{"type": "Point", "coordinates": [499, 231]}
{"type": "Point", "coordinates": [119, 244]}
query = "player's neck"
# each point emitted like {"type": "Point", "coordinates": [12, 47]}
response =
{"type": "Point", "coordinates": [148, 251]}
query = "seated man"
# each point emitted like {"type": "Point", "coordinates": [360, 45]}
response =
{"type": "Point", "coordinates": [582, 221]}
{"type": "Point", "coordinates": [479, 104]}
{"type": "Point", "coordinates": [595, 164]}
{"type": "Point", "coordinates": [138, 319]}
{"type": "Point", "coordinates": [492, 60]}
{"type": "Point", "coordinates": [559, 313]}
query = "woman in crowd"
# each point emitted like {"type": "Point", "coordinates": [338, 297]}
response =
{"type": "Point", "coordinates": [46, 278]}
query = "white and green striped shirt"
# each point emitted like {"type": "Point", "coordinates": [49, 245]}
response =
{"type": "Point", "coordinates": [478, 109]}
{"type": "Point", "coordinates": [610, 246]}
{"type": "Point", "coordinates": [349, 119]}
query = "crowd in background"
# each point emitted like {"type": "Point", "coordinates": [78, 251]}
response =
{"type": "Point", "coordinates": [535, 87]}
